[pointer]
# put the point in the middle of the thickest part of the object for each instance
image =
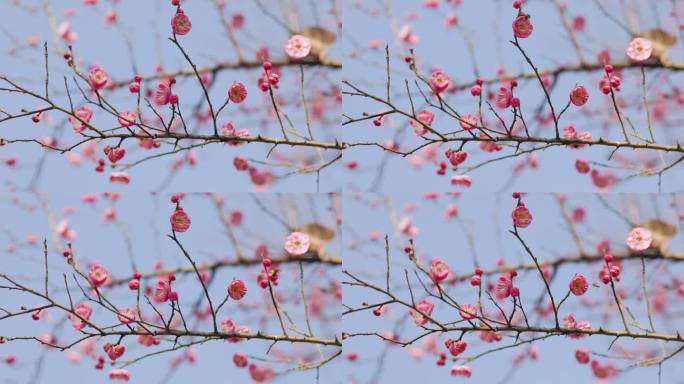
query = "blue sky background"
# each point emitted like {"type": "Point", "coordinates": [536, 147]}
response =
{"type": "Point", "coordinates": [487, 218]}
{"type": "Point", "coordinates": [485, 214]}
{"type": "Point", "coordinates": [144, 219]}
{"type": "Point", "coordinates": [148, 24]}
{"type": "Point", "coordinates": [488, 26]}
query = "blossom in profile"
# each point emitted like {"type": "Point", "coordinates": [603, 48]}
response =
{"type": "Point", "coordinates": [119, 374]}
{"type": "Point", "coordinates": [461, 370]}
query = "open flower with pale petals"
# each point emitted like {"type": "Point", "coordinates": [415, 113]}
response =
{"type": "Point", "coordinates": [126, 119]}
{"type": "Point", "coordinates": [126, 315]}
{"type": "Point", "coordinates": [81, 314]}
{"type": "Point", "coordinates": [424, 307]}
{"type": "Point", "coordinates": [424, 119]}
{"type": "Point", "coordinates": [639, 239]}
{"type": "Point", "coordinates": [82, 113]}
{"type": "Point", "coordinates": [297, 243]}
{"type": "Point", "coordinates": [468, 311]}
{"type": "Point", "coordinates": [298, 47]}
{"type": "Point", "coordinates": [439, 270]}
{"type": "Point", "coordinates": [468, 122]}
{"type": "Point", "coordinates": [640, 49]}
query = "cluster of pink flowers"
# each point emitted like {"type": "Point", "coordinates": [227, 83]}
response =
{"type": "Point", "coordinates": [162, 289]}
{"type": "Point", "coordinates": [570, 322]}
{"type": "Point", "coordinates": [571, 133]}
{"type": "Point", "coordinates": [228, 129]}
{"type": "Point", "coordinates": [269, 274]}
{"type": "Point", "coordinates": [610, 270]}
{"type": "Point", "coordinates": [611, 80]}
{"type": "Point", "coordinates": [119, 374]}
{"type": "Point", "coordinates": [269, 78]}
{"type": "Point", "coordinates": [504, 286]}
{"type": "Point", "coordinates": [119, 177]}
{"type": "Point", "coordinates": [228, 326]}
